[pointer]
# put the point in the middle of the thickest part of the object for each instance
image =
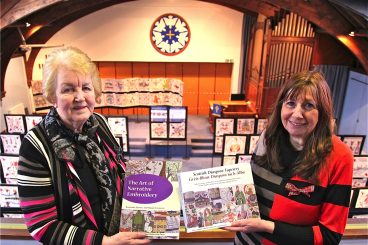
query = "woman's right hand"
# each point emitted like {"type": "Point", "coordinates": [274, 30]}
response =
{"type": "Point", "coordinates": [126, 238]}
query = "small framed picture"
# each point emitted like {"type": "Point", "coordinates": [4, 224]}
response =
{"type": "Point", "coordinates": [228, 160]}
{"type": "Point", "coordinates": [36, 86]}
{"type": "Point", "coordinates": [355, 142]}
{"type": "Point", "coordinates": [253, 143]}
{"type": "Point", "coordinates": [118, 125]}
{"type": "Point", "coordinates": [358, 202]}
{"type": "Point", "coordinates": [9, 166]}
{"type": "Point", "coordinates": [13, 214]}
{"type": "Point", "coordinates": [234, 144]}
{"type": "Point", "coordinates": [360, 167]}
{"type": "Point", "coordinates": [218, 145]}
{"type": "Point", "coordinates": [359, 182]}
{"type": "Point", "coordinates": [241, 158]}
{"type": "Point", "coordinates": [178, 122]}
{"type": "Point", "coordinates": [15, 123]}
{"type": "Point", "coordinates": [177, 130]}
{"type": "Point", "coordinates": [11, 143]}
{"type": "Point", "coordinates": [261, 125]}
{"type": "Point", "coordinates": [9, 197]}
{"type": "Point", "coordinates": [362, 198]}
{"type": "Point", "coordinates": [245, 125]}
{"type": "Point", "coordinates": [32, 120]}
{"type": "Point", "coordinates": [224, 126]}
{"type": "Point", "coordinates": [40, 102]}
{"type": "Point", "coordinates": [158, 130]}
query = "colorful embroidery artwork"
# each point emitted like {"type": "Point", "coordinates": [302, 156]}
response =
{"type": "Point", "coordinates": [15, 124]}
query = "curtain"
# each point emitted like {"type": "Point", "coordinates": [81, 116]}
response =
{"type": "Point", "coordinates": [337, 78]}
{"type": "Point", "coordinates": [248, 24]}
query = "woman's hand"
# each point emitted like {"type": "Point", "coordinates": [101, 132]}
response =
{"type": "Point", "coordinates": [126, 238]}
{"type": "Point", "coordinates": [251, 225]}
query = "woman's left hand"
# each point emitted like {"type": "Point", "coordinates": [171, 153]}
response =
{"type": "Point", "coordinates": [251, 225]}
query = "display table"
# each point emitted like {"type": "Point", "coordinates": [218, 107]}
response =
{"type": "Point", "coordinates": [232, 108]}
{"type": "Point", "coordinates": [14, 229]}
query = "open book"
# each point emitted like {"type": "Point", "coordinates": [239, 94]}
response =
{"type": "Point", "coordinates": [215, 197]}
{"type": "Point", "coordinates": [151, 200]}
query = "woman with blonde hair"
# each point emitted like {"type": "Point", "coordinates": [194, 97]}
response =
{"type": "Point", "coordinates": [70, 166]}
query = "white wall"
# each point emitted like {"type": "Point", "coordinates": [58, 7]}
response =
{"type": "Point", "coordinates": [122, 33]}
{"type": "Point", "coordinates": [16, 89]}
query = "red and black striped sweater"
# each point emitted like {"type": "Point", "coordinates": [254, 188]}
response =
{"type": "Point", "coordinates": [299, 219]}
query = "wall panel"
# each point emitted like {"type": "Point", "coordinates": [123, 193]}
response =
{"type": "Point", "coordinates": [191, 79]}
{"type": "Point", "coordinates": [223, 81]}
{"type": "Point", "coordinates": [174, 70]}
{"type": "Point", "coordinates": [202, 82]}
{"type": "Point", "coordinates": [157, 70]}
{"type": "Point", "coordinates": [207, 78]}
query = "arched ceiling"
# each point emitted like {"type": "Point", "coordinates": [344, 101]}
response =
{"type": "Point", "coordinates": [49, 16]}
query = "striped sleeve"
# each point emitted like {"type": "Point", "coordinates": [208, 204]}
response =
{"type": "Point", "coordinates": [318, 218]}
{"type": "Point", "coordinates": [37, 197]}
{"type": "Point", "coordinates": [334, 208]}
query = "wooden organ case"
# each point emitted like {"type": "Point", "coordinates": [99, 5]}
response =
{"type": "Point", "coordinates": [289, 50]}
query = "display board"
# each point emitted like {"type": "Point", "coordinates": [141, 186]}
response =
{"type": "Point", "coordinates": [168, 122]}
{"type": "Point", "coordinates": [251, 127]}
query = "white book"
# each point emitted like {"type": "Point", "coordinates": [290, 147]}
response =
{"type": "Point", "coordinates": [215, 197]}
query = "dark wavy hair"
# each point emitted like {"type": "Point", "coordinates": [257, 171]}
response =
{"type": "Point", "coordinates": [318, 145]}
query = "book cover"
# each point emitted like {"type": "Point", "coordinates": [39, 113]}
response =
{"type": "Point", "coordinates": [151, 199]}
{"type": "Point", "coordinates": [215, 197]}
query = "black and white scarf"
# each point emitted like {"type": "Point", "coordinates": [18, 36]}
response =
{"type": "Point", "coordinates": [67, 145]}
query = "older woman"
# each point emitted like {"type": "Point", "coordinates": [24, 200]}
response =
{"type": "Point", "coordinates": [302, 172]}
{"type": "Point", "coordinates": [70, 166]}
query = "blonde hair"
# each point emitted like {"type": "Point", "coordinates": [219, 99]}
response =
{"type": "Point", "coordinates": [71, 58]}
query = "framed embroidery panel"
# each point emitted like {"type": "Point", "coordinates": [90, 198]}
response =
{"type": "Point", "coordinates": [218, 144]}
{"type": "Point", "coordinates": [11, 143]}
{"type": "Point", "coordinates": [245, 125]}
{"type": "Point", "coordinates": [261, 125]}
{"type": "Point", "coordinates": [40, 102]}
{"type": "Point", "coordinates": [355, 143]}
{"type": "Point", "coordinates": [15, 123]}
{"type": "Point", "coordinates": [118, 125]}
{"type": "Point", "coordinates": [359, 182]}
{"type": "Point", "coordinates": [178, 122]}
{"type": "Point", "coordinates": [158, 118]}
{"type": "Point", "coordinates": [360, 166]}
{"type": "Point", "coordinates": [359, 202]}
{"type": "Point", "coordinates": [17, 213]}
{"type": "Point", "coordinates": [36, 87]}
{"type": "Point", "coordinates": [253, 140]}
{"type": "Point", "coordinates": [9, 197]}
{"type": "Point", "coordinates": [222, 126]}
{"type": "Point", "coordinates": [362, 198]}
{"type": "Point", "coordinates": [234, 144]}
{"type": "Point", "coordinates": [228, 160]}
{"type": "Point", "coordinates": [243, 158]}
{"type": "Point", "coordinates": [9, 166]}
{"type": "Point", "coordinates": [32, 120]}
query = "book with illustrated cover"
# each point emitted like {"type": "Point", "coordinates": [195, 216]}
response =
{"type": "Point", "coordinates": [215, 197]}
{"type": "Point", "coordinates": [151, 199]}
